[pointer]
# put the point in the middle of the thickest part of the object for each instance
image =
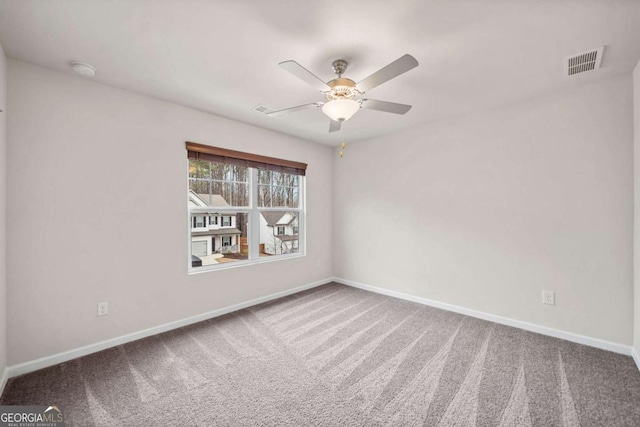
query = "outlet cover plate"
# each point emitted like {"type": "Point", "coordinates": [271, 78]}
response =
{"type": "Point", "coordinates": [549, 297]}
{"type": "Point", "coordinates": [103, 308]}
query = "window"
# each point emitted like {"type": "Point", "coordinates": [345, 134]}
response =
{"type": "Point", "coordinates": [277, 189]}
{"type": "Point", "coordinates": [259, 202]}
{"type": "Point", "coordinates": [198, 221]}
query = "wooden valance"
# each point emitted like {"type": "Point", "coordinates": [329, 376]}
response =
{"type": "Point", "coordinates": [222, 155]}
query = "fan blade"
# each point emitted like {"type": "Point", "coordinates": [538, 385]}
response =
{"type": "Point", "coordinates": [303, 74]}
{"type": "Point", "coordinates": [397, 67]}
{"type": "Point", "coordinates": [387, 107]}
{"type": "Point", "coordinates": [334, 126]}
{"type": "Point", "coordinates": [286, 111]}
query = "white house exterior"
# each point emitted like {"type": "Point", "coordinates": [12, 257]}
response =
{"type": "Point", "coordinates": [279, 232]}
{"type": "Point", "coordinates": [212, 233]}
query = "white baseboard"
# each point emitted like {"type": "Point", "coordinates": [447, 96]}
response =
{"type": "Point", "coordinates": [3, 380]}
{"type": "Point", "coordinates": [544, 330]}
{"type": "Point", "coordinates": [634, 353]}
{"type": "Point", "coordinates": [44, 362]}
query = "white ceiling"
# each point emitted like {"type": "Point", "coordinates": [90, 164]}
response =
{"type": "Point", "coordinates": [221, 56]}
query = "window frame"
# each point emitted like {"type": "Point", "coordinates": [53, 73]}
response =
{"type": "Point", "coordinates": [253, 226]}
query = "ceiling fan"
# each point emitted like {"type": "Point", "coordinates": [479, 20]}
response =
{"type": "Point", "coordinates": [340, 93]}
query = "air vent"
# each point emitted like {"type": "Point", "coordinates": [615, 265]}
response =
{"type": "Point", "coordinates": [584, 62]}
{"type": "Point", "coordinates": [261, 108]}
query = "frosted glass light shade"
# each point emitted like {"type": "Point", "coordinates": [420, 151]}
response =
{"type": "Point", "coordinates": [340, 109]}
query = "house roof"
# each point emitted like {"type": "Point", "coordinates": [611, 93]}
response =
{"type": "Point", "coordinates": [219, 232]}
{"type": "Point", "coordinates": [213, 200]}
{"type": "Point", "coordinates": [275, 217]}
{"type": "Point", "coordinates": [195, 201]}
{"type": "Point", "coordinates": [208, 201]}
{"type": "Point", "coordinates": [272, 217]}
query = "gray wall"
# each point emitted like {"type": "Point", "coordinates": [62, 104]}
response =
{"type": "Point", "coordinates": [486, 211]}
{"type": "Point", "coordinates": [97, 212]}
{"type": "Point", "coordinates": [3, 211]}
{"type": "Point", "coordinates": [636, 230]}
{"type": "Point", "coordinates": [483, 211]}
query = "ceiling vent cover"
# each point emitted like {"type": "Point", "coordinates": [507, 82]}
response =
{"type": "Point", "coordinates": [584, 62]}
{"type": "Point", "coordinates": [260, 108]}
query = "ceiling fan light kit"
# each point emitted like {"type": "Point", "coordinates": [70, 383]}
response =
{"type": "Point", "coordinates": [341, 110]}
{"type": "Point", "coordinates": [340, 92]}
{"type": "Point", "coordinates": [341, 88]}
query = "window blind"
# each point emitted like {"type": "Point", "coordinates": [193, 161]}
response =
{"type": "Point", "coordinates": [197, 151]}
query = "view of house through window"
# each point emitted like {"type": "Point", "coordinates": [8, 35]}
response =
{"type": "Point", "coordinates": [278, 232]}
{"type": "Point", "coordinates": [234, 207]}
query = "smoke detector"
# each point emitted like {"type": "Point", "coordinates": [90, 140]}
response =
{"type": "Point", "coordinates": [584, 62]}
{"type": "Point", "coordinates": [83, 69]}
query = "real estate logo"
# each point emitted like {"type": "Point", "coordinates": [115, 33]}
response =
{"type": "Point", "coordinates": [31, 416]}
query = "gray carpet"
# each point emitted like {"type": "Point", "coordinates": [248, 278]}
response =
{"type": "Point", "coordinates": [338, 356]}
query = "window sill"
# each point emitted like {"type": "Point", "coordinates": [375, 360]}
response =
{"type": "Point", "coordinates": [226, 266]}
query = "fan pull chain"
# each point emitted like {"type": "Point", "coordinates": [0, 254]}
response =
{"type": "Point", "coordinates": [344, 144]}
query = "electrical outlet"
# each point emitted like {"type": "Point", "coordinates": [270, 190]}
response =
{"type": "Point", "coordinates": [103, 308]}
{"type": "Point", "coordinates": [549, 297]}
